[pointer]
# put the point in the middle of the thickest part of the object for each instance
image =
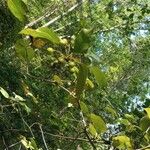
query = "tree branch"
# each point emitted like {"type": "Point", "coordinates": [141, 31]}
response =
{"type": "Point", "coordinates": [63, 14]}
{"type": "Point", "coordinates": [46, 15]}
{"type": "Point", "coordinates": [13, 145]}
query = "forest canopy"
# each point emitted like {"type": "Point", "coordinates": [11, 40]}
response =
{"type": "Point", "coordinates": [74, 75]}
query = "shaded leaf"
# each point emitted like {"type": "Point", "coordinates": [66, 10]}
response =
{"type": "Point", "coordinates": [99, 76]}
{"type": "Point", "coordinates": [98, 123]}
{"type": "Point", "coordinates": [81, 79]}
{"type": "Point", "coordinates": [57, 79]}
{"type": "Point", "coordinates": [82, 41]}
{"type": "Point", "coordinates": [38, 43]}
{"type": "Point", "coordinates": [145, 123]}
{"type": "Point", "coordinates": [84, 108]}
{"type": "Point", "coordinates": [33, 143]}
{"type": "Point", "coordinates": [25, 107]}
{"type": "Point", "coordinates": [23, 50]}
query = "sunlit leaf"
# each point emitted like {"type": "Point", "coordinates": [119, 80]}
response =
{"type": "Point", "coordinates": [111, 110]}
{"type": "Point", "coordinates": [43, 32]}
{"type": "Point", "coordinates": [19, 98]}
{"type": "Point", "coordinates": [147, 111]}
{"type": "Point", "coordinates": [124, 122]}
{"type": "Point", "coordinates": [17, 9]}
{"type": "Point", "coordinates": [92, 130]}
{"type": "Point", "coordinates": [122, 142]}
{"type": "Point", "coordinates": [27, 144]}
{"type": "Point", "coordinates": [90, 83]}
{"type": "Point", "coordinates": [98, 123]}
{"type": "Point", "coordinates": [129, 117]}
{"type": "Point", "coordinates": [4, 93]}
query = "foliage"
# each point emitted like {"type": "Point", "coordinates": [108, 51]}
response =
{"type": "Point", "coordinates": [75, 74]}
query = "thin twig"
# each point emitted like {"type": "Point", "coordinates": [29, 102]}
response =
{"type": "Point", "coordinates": [26, 124]}
{"type": "Point", "coordinates": [6, 147]}
{"type": "Point", "coordinates": [63, 14]}
{"type": "Point", "coordinates": [50, 134]}
{"type": "Point", "coordinates": [40, 126]}
{"type": "Point", "coordinates": [65, 89]}
{"type": "Point", "coordinates": [46, 15]}
{"type": "Point", "coordinates": [144, 148]}
{"type": "Point", "coordinates": [13, 145]}
{"type": "Point", "coordinates": [20, 147]}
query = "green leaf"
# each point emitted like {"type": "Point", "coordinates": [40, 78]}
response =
{"type": "Point", "coordinates": [145, 123]}
{"type": "Point", "coordinates": [57, 79]}
{"type": "Point", "coordinates": [129, 117]}
{"type": "Point", "coordinates": [23, 50]}
{"type": "Point", "coordinates": [27, 144]}
{"type": "Point", "coordinates": [124, 122]}
{"type": "Point", "coordinates": [81, 79]}
{"type": "Point", "coordinates": [89, 83]}
{"type": "Point", "coordinates": [25, 1]}
{"type": "Point", "coordinates": [110, 110]}
{"type": "Point", "coordinates": [92, 130]}
{"type": "Point", "coordinates": [84, 108]}
{"type": "Point", "coordinates": [148, 112]}
{"type": "Point", "coordinates": [17, 9]}
{"type": "Point", "coordinates": [98, 123]}
{"type": "Point", "coordinates": [19, 98]}
{"type": "Point", "coordinates": [122, 142]}
{"type": "Point", "coordinates": [25, 107]}
{"type": "Point", "coordinates": [99, 76]}
{"type": "Point", "coordinates": [4, 93]}
{"type": "Point", "coordinates": [33, 143]}
{"type": "Point", "coordinates": [43, 32]}
{"type": "Point", "coordinates": [82, 41]}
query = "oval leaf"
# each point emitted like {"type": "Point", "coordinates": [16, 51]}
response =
{"type": "Point", "coordinates": [99, 76]}
{"type": "Point", "coordinates": [92, 130]}
{"type": "Point", "coordinates": [122, 142]}
{"type": "Point", "coordinates": [43, 32]}
{"type": "Point", "coordinates": [84, 108]}
{"type": "Point", "coordinates": [23, 50]}
{"type": "Point", "coordinates": [81, 79]}
{"type": "Point", "coordinates": [89, 83]}
{"type": "Point", "coordinates": [147, 111]}
{"type": "Point", "coordinates": [4, 93]}
{"type": "Point", "coordinates": [16, 7]}
{"type": "Point", "coordinates": [82, 41]}
{"type": "Point", "coordinates": [98, 123]}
